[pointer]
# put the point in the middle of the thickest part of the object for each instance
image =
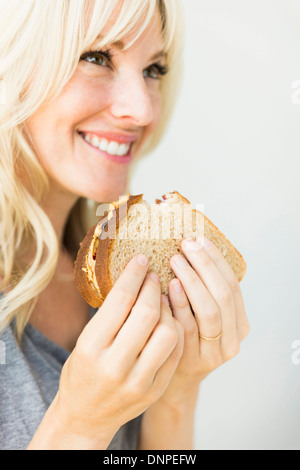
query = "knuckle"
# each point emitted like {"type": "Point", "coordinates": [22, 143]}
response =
{"type": "Point", "coordinates": [178, 351]}
{"type": "Point", "coordinates": [234, 285]}
{"type": "Point", "coordinates": [232, 351]}
{"type": "Point", "coordinates": [194, 280]}
{"type": "Point", "coordinates": [136, 389]}
{"type": "Point", "coordinates": [245, 330]}
{"type": "Point", "coordinates": [83, 349]}
{"type": "Point", "coordinates": [225, 297]}
{"type": "Point", "coordinates": [215, 360]}
{"type": "Point", "coordinates": [212, 315]}
{"type": "Point", "coordinates": [153, 279]}
{"type": "Point", "coordinates": [206, 260]}
{"type": "Point", "coordinates": [125, 297]}
{"type": "Point", "coordinates": [158, 387]}
{"type": "Point", "coordinates": [191, 329]}
{"type": "Point", "coordinates": [179, 328]}
{"type": "Point", "coordinates": [180, 331]}
{"type": "Point", "coordinates": [180, 301]}
{"type": "Point", "coordinates": [148, 313]}
{"type": "Point", "coordinates": [153, 395]}
{"type": "Point", "coordinates": [110, 373]}
{"type": "Point", "coordinates": [169, 334]}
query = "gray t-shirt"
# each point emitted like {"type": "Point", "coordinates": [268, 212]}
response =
{"type": "Point", "coordinates": [29, 378]}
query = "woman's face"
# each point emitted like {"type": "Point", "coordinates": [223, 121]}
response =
{"type": "Point", "coordinates": [88, 136]}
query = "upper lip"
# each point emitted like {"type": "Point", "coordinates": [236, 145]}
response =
{"type": "Point", "coordinates": [112, 136]}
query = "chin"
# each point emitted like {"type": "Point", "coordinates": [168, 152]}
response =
{"type": "Point", "coordinates": [107, 193]}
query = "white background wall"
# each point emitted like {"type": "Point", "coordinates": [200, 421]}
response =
{"type": "Point", "coordinates": [234, 146]}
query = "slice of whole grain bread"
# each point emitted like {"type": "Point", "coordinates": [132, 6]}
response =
{"type": "Point", "coordinates": [133, 226]}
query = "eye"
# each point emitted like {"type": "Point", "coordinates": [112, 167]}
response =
{"type": "Point", "coordinates": [101, 58]}
{"type": "Point", "coordinates": [155, 71]}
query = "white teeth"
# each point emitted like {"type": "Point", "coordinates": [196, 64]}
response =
{"type": "Point", "coordinates": [95, 141]}
{"type": "Point", "coordinates": [103, 145]}
{"type": "Point", "coordinates": [112, 147]}
{"type": "Point", "coordinates": [123, 150]}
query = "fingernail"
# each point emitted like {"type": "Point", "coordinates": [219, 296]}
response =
{"type": "Point", "coordinates": [142, 260]}
{"type": "Point", "coordinates": [200, 239]}
{"type": "Point", "coordinates": [180, 262]}
{"type": "Point", "coordinates": [191, 245]}
{"type": "Point", "coordinates": [165, 299]}
{"type": "Point", "coordinates": [206, 243]}
{"type": "Point", "coordinates": [155, 277]}
{"type": "Point", "coordinates": [177, 286]}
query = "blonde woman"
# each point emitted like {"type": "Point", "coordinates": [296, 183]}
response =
{"type": "Point", "coordinates": [89, 86]}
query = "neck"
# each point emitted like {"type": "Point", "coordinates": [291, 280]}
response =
{"type": "Point", "coordinates": [57, 204]}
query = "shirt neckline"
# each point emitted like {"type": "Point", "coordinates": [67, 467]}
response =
{"type": "Point", "coordinates": [46, 343]}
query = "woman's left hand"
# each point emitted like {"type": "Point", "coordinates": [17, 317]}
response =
{"type": "Point", "coordinates": [211, 310]}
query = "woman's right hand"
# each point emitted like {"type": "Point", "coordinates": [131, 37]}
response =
{"type": "Point", "coordinates": [123, 360]}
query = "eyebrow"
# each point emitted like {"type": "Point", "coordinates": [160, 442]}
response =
{"type": "Point", "coordinates": [158, 55]}
{"type": "Point", "coordinates": [117, 44]}
{"type": "Point", "coordinates": [120, 46]}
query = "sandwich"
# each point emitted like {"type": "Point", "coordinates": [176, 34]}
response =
{"type": "Point", "coordinates": [131, 226]}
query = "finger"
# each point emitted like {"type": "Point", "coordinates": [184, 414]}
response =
{"type": "Point", "coordinates": [159, 347]}
{"type": "Point", "coordinates": [166, 371]}
{"type": "Point", "coordinates": [219, 289]}
{"type": "Point", "coordinates": [223, 266]}
{"type": "Point", "coordinates": [205, 308]}
{"type": "Point", "coordinates": [119, 302]}
{"type": "Point", "coordinates": [183, 313]}
{"type": "Point", "coordinates": [140, 324]}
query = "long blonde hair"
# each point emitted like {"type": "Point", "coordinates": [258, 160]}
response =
{"type": "Point", "coordinates": [41, 42]}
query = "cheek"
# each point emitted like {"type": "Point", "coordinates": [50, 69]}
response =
{"type": "Point", "coordinates": [156, 102]}
{"type": "Point", "coordinates": [157, 107]}
{"type": "Point", "coordinates": [81, 99]}
{"type": "Point", "coordinates": [51, 127]}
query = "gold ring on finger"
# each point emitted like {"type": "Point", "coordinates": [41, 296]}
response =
{"type": "Point", "coordinates": [205, 338]}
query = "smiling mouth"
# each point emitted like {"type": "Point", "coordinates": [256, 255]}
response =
{"type": "Point", "coordinates": [110, 147]}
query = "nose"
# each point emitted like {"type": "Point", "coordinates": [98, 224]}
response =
{"type": "Point", "coordinates": [131, 100]}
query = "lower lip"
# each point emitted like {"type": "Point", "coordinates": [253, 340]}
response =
{"type": "Point", "coordinates": [125, 160]}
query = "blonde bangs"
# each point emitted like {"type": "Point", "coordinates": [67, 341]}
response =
{"type": "Point", "coordinates": [132, 19]}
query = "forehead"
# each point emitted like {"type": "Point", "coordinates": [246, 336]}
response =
{"type": "Point", "coordinates": [150, 38]}
{"type": "Point", "coordinates": [125, 28]}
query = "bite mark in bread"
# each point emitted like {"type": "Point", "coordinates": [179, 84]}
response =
{"type": "Point", "coordinates": [104, 254]}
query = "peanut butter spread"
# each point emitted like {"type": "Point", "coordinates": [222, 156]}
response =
{"type": "Point", "coordinates": [91, 256]}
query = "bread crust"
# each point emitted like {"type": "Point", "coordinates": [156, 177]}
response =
{"type": "Point", "coordinates": [108, 227]}
{"type": "Point", "coordinates": [105, 243]}
{"type": "Point", "coordinates": [229, 245]}
{"type": "Point", "coordinates": [82, 282]}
